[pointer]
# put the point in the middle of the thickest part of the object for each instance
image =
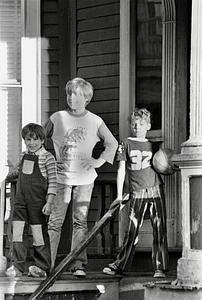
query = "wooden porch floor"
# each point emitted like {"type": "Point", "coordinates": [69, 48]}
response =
{"type": "Point", "coordinates": [100, 285]}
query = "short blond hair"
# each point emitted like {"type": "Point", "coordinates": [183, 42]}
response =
{"type": "Point", "coordinates": [142, 113]}
{"type": "Point", "coordinates": [85, 86]}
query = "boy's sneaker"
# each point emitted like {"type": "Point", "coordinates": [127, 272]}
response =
{"type": "Point", "coordinates": [37, 272]}
{"type": "Point", "coordinates": [79, 272]}
{"type": "Point", "coordinates": [112, 269]}
{"type": "Point", "coordinates": [159, 274]}
{"type": "Point", "coordinates": [13, 272]}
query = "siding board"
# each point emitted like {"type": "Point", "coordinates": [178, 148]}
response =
{"type": "Point", "coordinates": [105, 82]}
{"type": "Point", "coordinates": [91, 3]}
{"type": "Point", "coordinates": [51, 30]}
{"type": "Point", "coordinates": [94, 12]}
{"type": "Point", "coordinates": [98, 48]}
{"type": "Point", "coordinates": [50, 18]}
{"type": "Point", "coordinates": [98, 35]}
{"type": "Point", "coordinates": [98, 23]}
{"type": "Point", "coordinates": [104, 106]}
{"type": "Point", "coordinates": [98, 71]}
{"type": "Point", "coordinates": [50, 80]}
{"type": "Point", "coordinates": [98, 60]}
{"type": "Point", "coordinates": [49, 6]}
{"type": "Point", "coordinates": [106, 94]}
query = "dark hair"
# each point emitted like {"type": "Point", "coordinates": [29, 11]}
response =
{"type": "Point", "coordinates": [33, 130]}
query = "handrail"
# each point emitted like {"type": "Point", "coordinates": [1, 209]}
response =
{"type": "Point", "coordinates": [49, 281]}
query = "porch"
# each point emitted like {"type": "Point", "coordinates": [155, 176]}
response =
{"type": "Point", "coordinates": [96, 285]}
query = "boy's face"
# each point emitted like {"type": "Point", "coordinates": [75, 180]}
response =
{"type": "Point", "coordinates": [33, 143]}
{"type": "Point", "coordinates": [139, 127]}
{"type": "Point", "coordinates": [77, 101]}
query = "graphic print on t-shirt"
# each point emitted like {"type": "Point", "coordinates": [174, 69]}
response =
{"type": "Point", "coordinates": [70, 150]}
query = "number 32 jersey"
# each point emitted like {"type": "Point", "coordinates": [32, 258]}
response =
{"type": "Point", "coordinates": [137, 155]}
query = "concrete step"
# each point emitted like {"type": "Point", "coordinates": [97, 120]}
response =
{"type": "Point", "coordinates": [168, 291]}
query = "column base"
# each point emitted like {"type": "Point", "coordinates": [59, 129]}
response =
{"type": "Point", "coordinates": [189, 271]}
{"type": "Point", "coordinates": [3, 265]}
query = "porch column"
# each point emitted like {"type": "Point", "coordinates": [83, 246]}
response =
{"type": "Point", "coordinates": [189, 269]}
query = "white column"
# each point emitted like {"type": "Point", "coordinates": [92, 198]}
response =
{"type": "Point", "coordinates": [189, 270]}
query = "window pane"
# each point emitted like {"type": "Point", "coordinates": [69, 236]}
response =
{"type": "Point", "coordinates": [10, 40]}
{"type": "Point", "coordinates": [10, 116]}
{"type": "Point", "coordinates": [10, 79]}
{"type": "Point", "coordinates": [149, 58]}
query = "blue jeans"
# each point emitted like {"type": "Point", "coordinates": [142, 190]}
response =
{"type": "Point", "coordinates": [81, 197]}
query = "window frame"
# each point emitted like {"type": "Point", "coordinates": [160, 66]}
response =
{"type": "Point", "coordinates": [30, 83]}
{"type": "Point", "coordinates": [169, 133]}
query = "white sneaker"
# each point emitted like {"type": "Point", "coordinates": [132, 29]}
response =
{"type": "Point", "coordinates": [13, 272]}
{"type": "Point", "coordinates": [159, 274]}
{"type": "Point", "coordinates": [37, 272]}
{"type": "Point", "coordinates": [79, 273]}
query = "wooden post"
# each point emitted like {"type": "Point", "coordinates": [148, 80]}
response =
{"type": "Point", "coordinates": [3, 260]}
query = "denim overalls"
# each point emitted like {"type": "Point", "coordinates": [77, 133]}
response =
{"type": "Point", "coordinates": [29, 201]}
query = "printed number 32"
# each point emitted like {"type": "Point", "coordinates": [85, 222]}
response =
{"type": "Point", "coordinates": [140, 159]}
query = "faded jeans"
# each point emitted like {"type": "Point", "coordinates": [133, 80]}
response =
{"type": "Point", "coordinates": [81, 197]}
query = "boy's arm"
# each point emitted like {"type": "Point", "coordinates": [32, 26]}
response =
{"type": "Point", "coordinates": [119, 183]}
{"type": "Point", "coordinates": [110, 144]}
{"type": "Point", "coordinates": [120, 179]}
{"type": "Point", "coordinates": [51, 174]}
{"type": "Point", "coordinates": [13, 174]}
{"type": "Point", "coordinates": [48, 127]}
{"type": "Point", "coordinates": [52, 184]}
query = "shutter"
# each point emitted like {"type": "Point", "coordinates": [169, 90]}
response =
{"type": "Point", "coordinates": [11, 22]}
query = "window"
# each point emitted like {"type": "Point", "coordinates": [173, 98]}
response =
{"type": "Point", "coordinates": [148, 78]}
{"type": "Point", "coordinates": [11, 21]}
{"type": "Point", "coordinates": [149, 58]}
{"type": "Point", "coordinates": [19, 76]}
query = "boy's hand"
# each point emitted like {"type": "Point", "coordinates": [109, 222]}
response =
{"type": "Point", "coordinates": [47, 209]}
{"type": "Point", "coordinates": [117, 201]}
{"type": "Point", "coordinates": [92, 163]}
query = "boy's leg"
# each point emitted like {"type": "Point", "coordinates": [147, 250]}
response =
{"type": "Point", "coordinates": [41, 246]}
{"type": "Point", "coordinates": [138, 205]}
{"type": "Point", "coordinates": [158, 220]}
{"type": "Point", "coordinates": [39, 228]}
{"type": "Point", "coordinates": [81, 202]}
{"type": "Point", "coordinates": [19, 249]}
{"type": "Point", "coordinates": [57, 217]}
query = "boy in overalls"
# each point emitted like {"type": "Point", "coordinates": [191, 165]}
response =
{"type": "Point", "coordinates": [36, 190]}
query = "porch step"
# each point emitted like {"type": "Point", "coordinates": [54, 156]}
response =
{"type": "Point", "coordinates": [131, 288]}
{"type": "Point", "coordinates": [95, 286]}
{"type": "Point", "coordinates": [66, 287]}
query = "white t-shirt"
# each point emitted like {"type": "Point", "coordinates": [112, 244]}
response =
{"type": "Point", "coordinates": [74, 138]}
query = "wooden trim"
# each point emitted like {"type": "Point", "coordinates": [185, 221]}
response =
{"type": "Point", "coordinates": [72, 38]}
{"type": "Point", "coordinates": [31, 63]}
{"type": "Point", "coordinates": [124, 102]}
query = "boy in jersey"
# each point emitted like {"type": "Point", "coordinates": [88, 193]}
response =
{"type": "Point", "coordinates": [75, 132]}
{"type": "Point", "coordinates": [36, 190]}
{"type": "Point", "coordinates": [145, 188]}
